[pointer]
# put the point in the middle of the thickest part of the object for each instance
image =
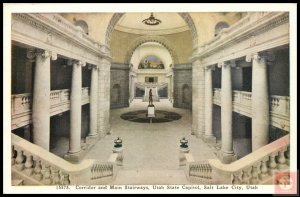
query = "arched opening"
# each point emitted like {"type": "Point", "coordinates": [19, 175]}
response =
{"type": "Point", "coordinates": [84, 26]}
{"type": "Point", "coordinates": [219, 26]}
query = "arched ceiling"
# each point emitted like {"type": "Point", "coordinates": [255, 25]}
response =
{"type": "Point", "coordinates": [170, 23]}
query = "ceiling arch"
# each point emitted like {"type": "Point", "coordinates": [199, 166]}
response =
{"type": "Point", "coordinates": [185, 16]}
{"type": "Point", "coordinates": [157, 39]}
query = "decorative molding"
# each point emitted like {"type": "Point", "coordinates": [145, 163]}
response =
{"type": "Point", "coordinates": [188, 19]}
{"type": "Point", "coordinates": [115, 66]}
{"type": "Point", "coordinates": [54, 33]}
{"type": "Point", "coordinates": [152, 32]}
{"type": "Point", "coordinates": [182, 67]}
{"type": "Point", "coordinates": [112, 23]}
{"type": "Point", "coordinates": [144, 39]}
{"type": "Point", "coordinates": [251, 34]}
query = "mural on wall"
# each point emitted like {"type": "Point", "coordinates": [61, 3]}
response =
{"type": "Point", "coordinates": [151, 62]}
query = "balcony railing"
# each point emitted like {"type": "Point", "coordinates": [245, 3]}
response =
{"type": "Point", "coordinates": [21, 105]}
{"type": "Point", "coordinates": [242, 103]}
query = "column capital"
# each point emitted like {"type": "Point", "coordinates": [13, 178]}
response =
{"type": "Point", "coordinates": [227, 64]}
{"type": "Point", "coordinates": [92, 66]}
{"type": "Point", "coordinates": [266, 56]}
{"type": "Point", "coordinates": [210, 67]}
{"type": "Point", "coordinates": [72, 62]}
{"type": "Point", "coordinates": [32, 53]}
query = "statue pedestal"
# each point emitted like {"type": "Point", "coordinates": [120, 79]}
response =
{"type": "Point", "coordinates": [151, 111]}
{"type": "Point", "coordinates": [182, 158]}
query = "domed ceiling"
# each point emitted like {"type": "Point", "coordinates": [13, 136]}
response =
{"type": "Point", "coordinates": [170, 23]}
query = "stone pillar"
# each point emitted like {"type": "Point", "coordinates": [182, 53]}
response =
{"type": "Point", "coordinates": [93, 101]}
{"type": "Point", "coordinates": [41, 99]}
{"type": "Point", "coordinates": [75, 110]}
{"type": "Point", "coordinates": [260, 102]}
{"type": "Point", "coordinates": [132, 84]}
{"type": "Point", "coordinates": [226, 155]}
{"type": "Point", "coordinates": [208, 136]}
{"type": "Point", "coordinates": [198, 99]}
{"type": "Point", "coordinates": [195, 97]}
{"type": "Point", "coordinates": [104, 98]}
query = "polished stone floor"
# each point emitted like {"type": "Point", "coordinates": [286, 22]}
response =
{"type": "Point", "coordinates": [151, 151]}
{"type": "Point", "coordinates": [151, 146]}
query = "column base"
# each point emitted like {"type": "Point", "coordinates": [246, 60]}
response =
{"type": "Point", "coordinates": [75, 157]}
{"type": "Point", "coordinates": [199, 135]}
{"type": "Point", "coordinates": [226, 158]}
{"type": "Point", "coordinates": [209, 139]}
{"type": "Point", "coordinates": [108, 130]}
{"type": "Point", "coordinates": [92, 139]}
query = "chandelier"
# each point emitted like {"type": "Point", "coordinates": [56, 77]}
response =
{"type": "Point", "coordinates": [151, 20]}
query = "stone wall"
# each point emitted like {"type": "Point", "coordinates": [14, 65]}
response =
{"type": "Point", "coordinates": [119, 86]}
{"type": "Point", "coordinates": [182, 86]}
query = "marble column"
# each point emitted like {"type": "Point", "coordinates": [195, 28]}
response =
{"type": "Point", "coordinates": [41, 100]}
{"type": "Point", "coordinates": [208, 136]}
{"type": "Point", "coordinates": [103, 123]}
{"type": "Point", "coordinates": [133, 80]}
{"type": "Point", "coordinates": [195, 97]}
{"type": "Point", "coordinates": [198, 99]}
{"type": "Point", "coordinates": [260, 102]}
{"type": "Point", "coordinates": [75, 110]}
{"type": "Point", "coordinates": [93, 101]}
{"type": "Point", "coordinates": [226, 155]}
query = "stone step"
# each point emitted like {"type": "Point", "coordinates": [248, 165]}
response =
{"type": "Point", "coordinates": [151, 177]}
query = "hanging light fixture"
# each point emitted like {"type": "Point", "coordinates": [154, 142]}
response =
{"type": "Point", "coordinates": [151, 20]}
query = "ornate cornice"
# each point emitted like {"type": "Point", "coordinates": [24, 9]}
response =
{"type": "Point", "coordinates": [247, 31]}
{"type": "Point", "coordinates": [56, 29]}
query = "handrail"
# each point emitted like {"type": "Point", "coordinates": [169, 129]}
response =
{"type": "Point", "coordinates": [43, 167]}
{"type": "Point", "coordinates": [253, 157]}
{"type": "Point", "coordinates": [255, 167]}
{"type": "Point", "coordinates": [47, 157]}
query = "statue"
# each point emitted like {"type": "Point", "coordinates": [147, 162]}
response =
{"type": "Point", "coordinates": [150, 97]}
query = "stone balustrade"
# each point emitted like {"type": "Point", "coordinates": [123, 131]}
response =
{"type": "Point", "coordinates": [242, 103]}
{"type": "Point", "coordinates": [21, 105]}
{"type": "Point", "coordinates": [202, 170]}
{"type": "Point", "coordinates": [36, 166]}
{"type": "Point", "coordinates": [258, 167]}
{"type": "Point", "coordinates": [101, 170]}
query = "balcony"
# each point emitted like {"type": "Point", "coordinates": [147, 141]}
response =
{"type": "Point", "coordinates": [21, 105]}
{"type": "Point", "coordinates": [242, 104]}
